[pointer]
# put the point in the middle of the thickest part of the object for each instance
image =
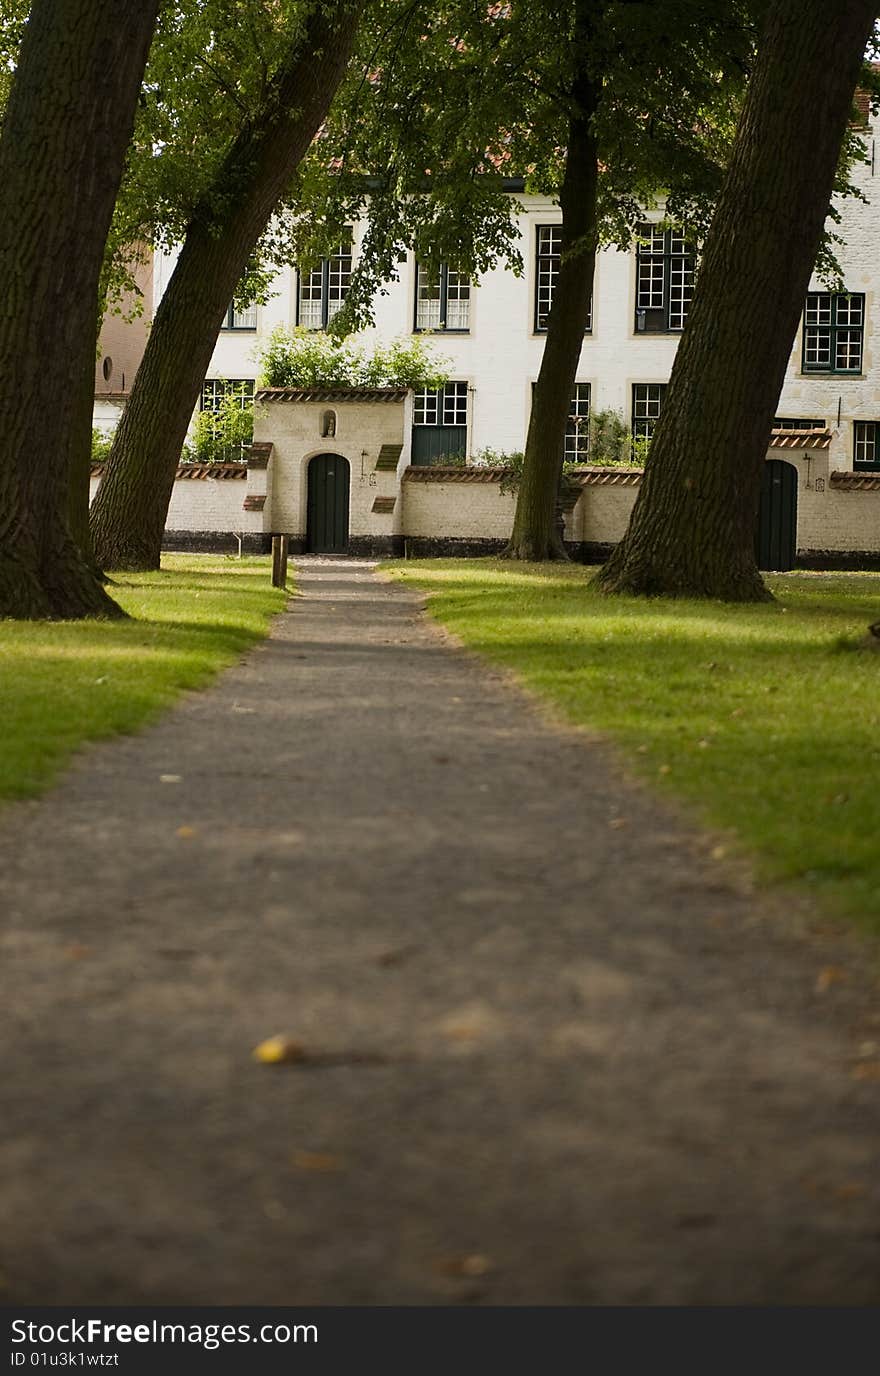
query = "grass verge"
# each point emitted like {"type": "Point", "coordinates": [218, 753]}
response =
{"type": "Point", "coordinates": [67, 682]}
{"type": "Point", "coordinates": [765, 717]}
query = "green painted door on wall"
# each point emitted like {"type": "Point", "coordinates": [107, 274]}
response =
{"type": "Point", "coordinates": [776, 532]}
{"type": "Point", "coordinates": [327, 521]}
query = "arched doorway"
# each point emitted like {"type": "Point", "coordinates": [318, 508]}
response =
{"type": "Point", "coordinates": [776, 531]}
{"type": "Point", "coordinates": [327, 514]}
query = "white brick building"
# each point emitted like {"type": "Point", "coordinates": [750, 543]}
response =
{"type": "Point", "coordinates": [492, 333]}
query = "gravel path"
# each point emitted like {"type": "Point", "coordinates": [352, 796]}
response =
{"type": "Point", "coordinates": [554, 1052]}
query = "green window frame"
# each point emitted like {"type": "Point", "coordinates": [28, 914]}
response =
{"type": "Point", "coordinates": [240, 320]}
{"type": "Point", "coordinates": [833, 332]}
{"type": "Point", "coordinates": [647, 403]}
{"type": "Point", "coordinates": [548, 256]}
{"type": "Point", "coordinates": [442, 300]}
{"type": "Point", "coordinates": [665, 272]}
{"type": "Point", "coordinates": [866, 446]}
{"type": "Point", "coordinates": [321, 292]}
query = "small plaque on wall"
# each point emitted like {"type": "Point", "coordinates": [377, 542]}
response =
{"type": "Point", "coordinates": [384, 504]}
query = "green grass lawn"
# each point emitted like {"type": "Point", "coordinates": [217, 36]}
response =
{"type": "Point", "coordinates": [65, 683]}
{"type": "Point", "coordinates": [766, 717]}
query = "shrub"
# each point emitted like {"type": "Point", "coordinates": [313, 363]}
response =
{"type": "Point", "coordinates": [610, 440]}
{"type": "Point", "coordinates": [101, 444]}
{"type": "Point", "coordinates": [221, 435]}
{"type": "Point", "coordinates": [308, 358]}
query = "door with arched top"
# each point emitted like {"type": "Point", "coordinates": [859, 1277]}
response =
{"type": "Point", "coordinates": [327, 516]}
{"type": "Point", "coordinates": [776, 531]}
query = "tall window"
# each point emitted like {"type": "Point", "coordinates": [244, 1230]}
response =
{"type": "Point", "coordinates": [224, 437]}
{"type": "Point", "coordinates": [646, 408]}
{"type": "Point", "coordinates": [215, 389]}
{"type": "Point", "coordinates": [440, 423]}
{"type": "Point", "coordinates": [443, 299]}
{"type": "Point", "coordinates": [323, 290]}
{"type": "Point", "coordinates": [240, 320]}
{"type": "Point", "coordinates": [834, 326]}
{"type": "Point", "coordinates": [577, 427]}
{"type": "Point", "coordinates": [866, 444]}
{"type": "Point", "coordinates": [548, 254]}
{"type": "Point", "coordinates": [664, 280]}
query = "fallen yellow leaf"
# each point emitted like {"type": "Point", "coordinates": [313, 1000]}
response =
{"type": "Point", "coordinates": [475, 1265]}
{"type": "Point", "coordinates": [322, 1162]}
{"type": "Point", "coordinates": [866, 1070]}
{"type": "Point", "coordinates": [279, 1051]}
{"type": "Point", "coordinates": [186, 832]}
{"type": "Point", "coordinates": [831, 974]}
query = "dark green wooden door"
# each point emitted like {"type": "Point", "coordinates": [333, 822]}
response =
{"type": "Point", "coordinates": [776, 533]}
{"type": "Point", "coordinates": [327, 522]}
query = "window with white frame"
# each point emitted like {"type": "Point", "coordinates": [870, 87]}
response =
{"type": "Point", "coordinates": [443, 299]}
{"type": "Point", "coordinates": [548, 255]}
{"type": "Point", "coordinates": [647, 403]}
{"type": "Point", "coordinates": [214, 389]}
{"type": "Point", "coordinates": [240, 320]}
{"type": "Point", "coordinates": [834, 327]}
{"type": "Point", "coordinates": [440, 423]}
{"type": "Point", "coordinates": [866, 444]}
{"type": "Point", "coordinates": [577, 427]}
{"type": "Point", "coordinates": [665, 265]}
{"type": "Point", "coordinates": [228, 438]}
{"type": "Point", "coordinates": [322, 291]}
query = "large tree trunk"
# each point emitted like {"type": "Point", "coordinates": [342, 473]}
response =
{"type": "Point", "coordinates": [692, 528]}
{"type": "Point", "coordinates": [536, 527]}
{"type": "Point", "coordinates": [129, 511]}
{"type": "Point", "coordinates": [62, 149]}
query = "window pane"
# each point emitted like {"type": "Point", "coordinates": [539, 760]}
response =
{"type": "Point", "coordinates": [817, 348]}
{"type": "Point", "coordinates": [866, 449]}
{"type": "Point", "coordinates": [549, 250]}
{"type": "Point", "coordinates": [428, 301]}
{"type": "Point", "coordinates": [339, 276]}
{"type": "Point", "coordinates": [647, 401]}
{"type": "Point", "coordinates": [577, 429]}
{"type": "Point", "coordinates": [242, 320]}
{"type": "Point", "coordinates": [848, 351]}
{"type": "Point", "coordinates": [818, 309]}
{"type": "Point", "coordinates": [455, 403]}
{"type": "Point", "coordinates": [426, 408]}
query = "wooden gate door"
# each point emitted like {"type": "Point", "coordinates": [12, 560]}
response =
{"type": "Point", "coordinates": [776, 533]}
{"type": "Point", "coordinates": [327, 518]}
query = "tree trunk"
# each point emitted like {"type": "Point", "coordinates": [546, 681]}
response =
{"type": "Point", "coordinates": [129, 512]}
{"type": "Point", "coordinates": [67, 126]}
{"type": "Point", "coordinates": [692, 528]}
{"type": "Point", "coordinates": [536, 525]}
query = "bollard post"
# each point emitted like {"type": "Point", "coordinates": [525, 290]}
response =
{"type": "Point", "coordinates": [280, 550]}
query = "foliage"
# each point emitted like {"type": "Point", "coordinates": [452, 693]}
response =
{"type": "Point", "coordinates": [67, 682]}
{"type": "Point", "coordinates": [220, 435]}
{"type": "Point", "coordinates": [307, 358]}
{"type": "Point", "coordinates": [721, 704]}
{"type": "Point", "coordinates": [611, 442]}
{"type": "Point", "coordinates": [101, 445]}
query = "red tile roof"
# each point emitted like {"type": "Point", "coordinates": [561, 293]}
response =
{"type": "Point", "coordinates": [855, 482]}
{"type": "Point", "coordinates": [237, 472]}
{"type": "Point", "coordinates": [800, 439]}
{"type": "Point", "coordinates": [331, 394]}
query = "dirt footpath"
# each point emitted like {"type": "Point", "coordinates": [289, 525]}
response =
{"type": "Point", "coordinates": [553, 1053]}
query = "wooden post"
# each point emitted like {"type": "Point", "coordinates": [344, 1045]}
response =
{"type": "Point", "coordinates": [280, 550]}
